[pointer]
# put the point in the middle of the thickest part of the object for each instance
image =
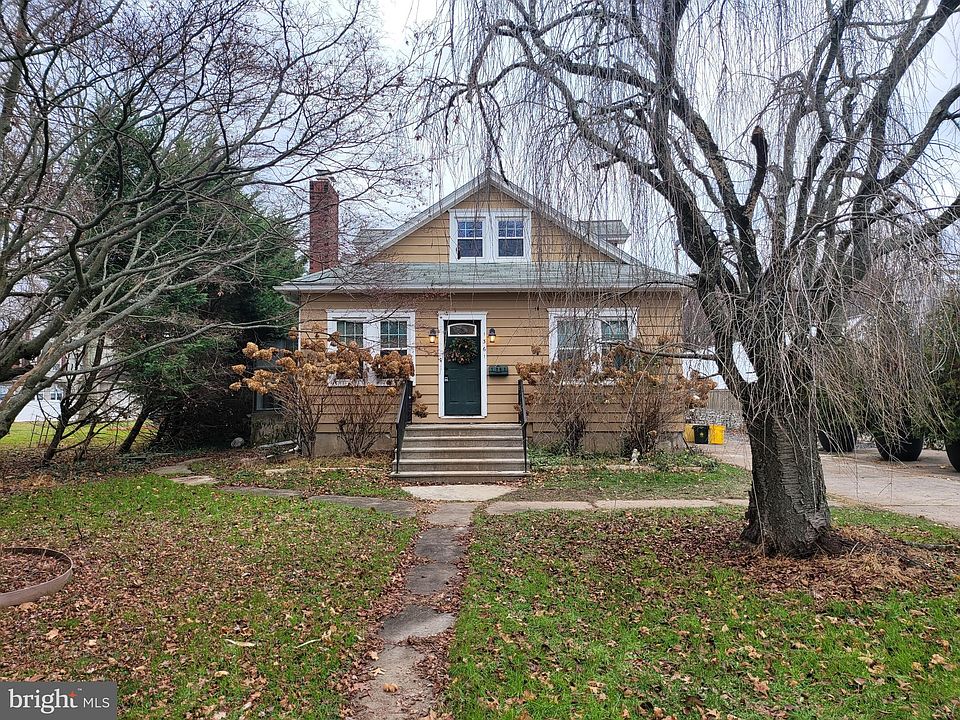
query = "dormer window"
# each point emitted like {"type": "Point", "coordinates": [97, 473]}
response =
{"type": "Point", "coordinates": [494, 236]}
{"type": "Point", "coordinates": [469, 238]}
{"type": "Point", "coordinates": [511, 238]}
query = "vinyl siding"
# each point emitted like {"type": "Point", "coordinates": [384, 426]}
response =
{"type": "Point", "coordinates": [431, 242]}
{"type": "Point", "coordinates": [521, 321]}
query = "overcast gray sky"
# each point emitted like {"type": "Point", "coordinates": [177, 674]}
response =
{"type": "Point", "coordinates": [451, 167]}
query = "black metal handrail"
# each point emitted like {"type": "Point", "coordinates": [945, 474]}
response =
{"type": "Point", "coordinates": [522, 419]}
{"type": "Point", "coordinates": [404, 416]}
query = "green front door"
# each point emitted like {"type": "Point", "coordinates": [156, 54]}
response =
{"type": "Point", "coordinates": [461, 368]}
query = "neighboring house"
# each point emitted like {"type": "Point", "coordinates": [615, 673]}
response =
{"type": "Point", "coordinates": [494, 267]}
{"type": "Point", "coordinates": [44, 406]}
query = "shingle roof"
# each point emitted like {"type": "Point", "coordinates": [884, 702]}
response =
{"type": "Point", "coordinates": [483, 277]}
{"type": "Point", "coordinates": [611, 231]}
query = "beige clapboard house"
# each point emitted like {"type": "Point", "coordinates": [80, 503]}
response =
{"type": "Point", "coordinates": [491, 269]}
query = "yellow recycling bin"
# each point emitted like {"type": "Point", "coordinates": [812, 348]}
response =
{"type": "Point", "coordinates": [716, 434]}
{"type": "Point", "coordinates": [688, 433]}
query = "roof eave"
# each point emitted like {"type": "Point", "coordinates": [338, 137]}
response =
{"type": "Point", "coordinates": [313, 288]}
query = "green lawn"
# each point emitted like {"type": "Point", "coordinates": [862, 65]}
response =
{"type": "Point", "coordinates": [659, 615]}
{"type": "Point", "coordinates": [666, 475]}
{"type": "Point", "coordinates": [322, 476]}
{"type": "Point", "coordinates": [20, 435]}
{"type": "Point", "coordinates": [28, 434]}
{"type": "Point", "coordinates": [200, 604]}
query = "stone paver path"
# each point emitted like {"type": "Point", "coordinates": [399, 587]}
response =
{"type": "Point", "coordinates": [194, 480]}
{"type": "Point", "coordinates": [397, 508]}
{"type": "Point", "coordinates": [929, 488]}
{"type": "Point", "coordinates": [180, 468]}
{"type": "Point", "coordinates": [396, 690]}
{"type": "Point", "coordinates": [511, 507]}
{"type": "Point", "coordinates": [458, 492]}
{"type": "Point", "coordinates": [261, 491]}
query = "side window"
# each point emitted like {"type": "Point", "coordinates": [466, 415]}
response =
{"type": "Point", "coordinates": [469, 239]}
{"type": "Point", "coordinates": [510, 242]}
{"type": "Point", "coordinates": [269, 401]}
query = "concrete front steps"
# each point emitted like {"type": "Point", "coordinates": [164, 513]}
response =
{"type": "Point", "coordinates": [434, 453]}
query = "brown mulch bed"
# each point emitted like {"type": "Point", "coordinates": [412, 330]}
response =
{"type": "Point", "coordinates": [21, 570]}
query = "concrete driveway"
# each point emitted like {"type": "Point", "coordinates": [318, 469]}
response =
{"type": "Point", "coordinates": [928, 488]}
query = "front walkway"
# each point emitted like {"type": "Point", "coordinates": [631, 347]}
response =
{"type": "Point", "coordinates": [928, 488]}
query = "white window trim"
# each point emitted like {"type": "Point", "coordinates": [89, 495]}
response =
{"type": "Point", "coordinates": [491, 238]}
{"type": "Point", "coordinates": [591, 316]}
{"type": "Point", "coordinates": [482, 317]}
{"type": "Point", "coordinates": [371, 334]}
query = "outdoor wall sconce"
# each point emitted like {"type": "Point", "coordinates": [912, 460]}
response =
{"type": "Point", "coordinates": [433, 336]}
{"type": "Point", "coordinates": [492, 335]}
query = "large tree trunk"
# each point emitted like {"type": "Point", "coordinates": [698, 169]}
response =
{"type": "Point", "coordinates": [788, 512]}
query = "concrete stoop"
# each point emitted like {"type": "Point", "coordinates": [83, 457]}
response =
{"type": "Point", "coordinates": [461, 453]}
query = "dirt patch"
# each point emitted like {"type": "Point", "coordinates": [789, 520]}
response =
{"type": "Point", "coordinates": [20, 570]}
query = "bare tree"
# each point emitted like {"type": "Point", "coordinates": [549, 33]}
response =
{"type": "Point", "coordinates": [793, 147]}
{"type": "Point", "coordinates": [118, 117]}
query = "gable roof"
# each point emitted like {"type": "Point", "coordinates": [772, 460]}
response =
{"type": "Point", "coordinates": [602, 235]}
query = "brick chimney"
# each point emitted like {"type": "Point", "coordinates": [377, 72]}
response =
{"type": "Point", "coordinates": [324, 223]}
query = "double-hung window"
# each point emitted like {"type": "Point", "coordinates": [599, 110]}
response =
{"type": "Point", "coordinates": [614, 334]}
{"type": "Point", "coordinates": [469, 239]}
{"type": "Point", "coordinates": [393, 337]}
{"type": "Point", "coordinates": [379, 331]}
{"type": "Point", "coordinates": [511, 234]}
{"type": "Point", "coordinates": [571, 342]}
{"type": "Point", "coordinates": [351, 331]}
{"type": "Point", "coordinates": [489, 236]}
{"type": "Point", "coordinates": [581, 336]}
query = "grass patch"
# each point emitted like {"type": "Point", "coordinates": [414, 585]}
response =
{"type": "Point", "coordinates": [664, 475]}
{"type": "Point", "coordinates": [37, 434]}
{"type": "Point", "coordinates": [661, 615]}
{"type": "Point", "coordinates": [199, 604]}
{"type": "Point", "coordinates": [369, 478]}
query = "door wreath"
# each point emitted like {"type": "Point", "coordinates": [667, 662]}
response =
{"type": "Point", "coordinates": [460, 351]}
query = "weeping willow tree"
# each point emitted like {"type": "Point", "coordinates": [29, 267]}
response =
{"type": "Point", "coordinates": [797, 152]}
